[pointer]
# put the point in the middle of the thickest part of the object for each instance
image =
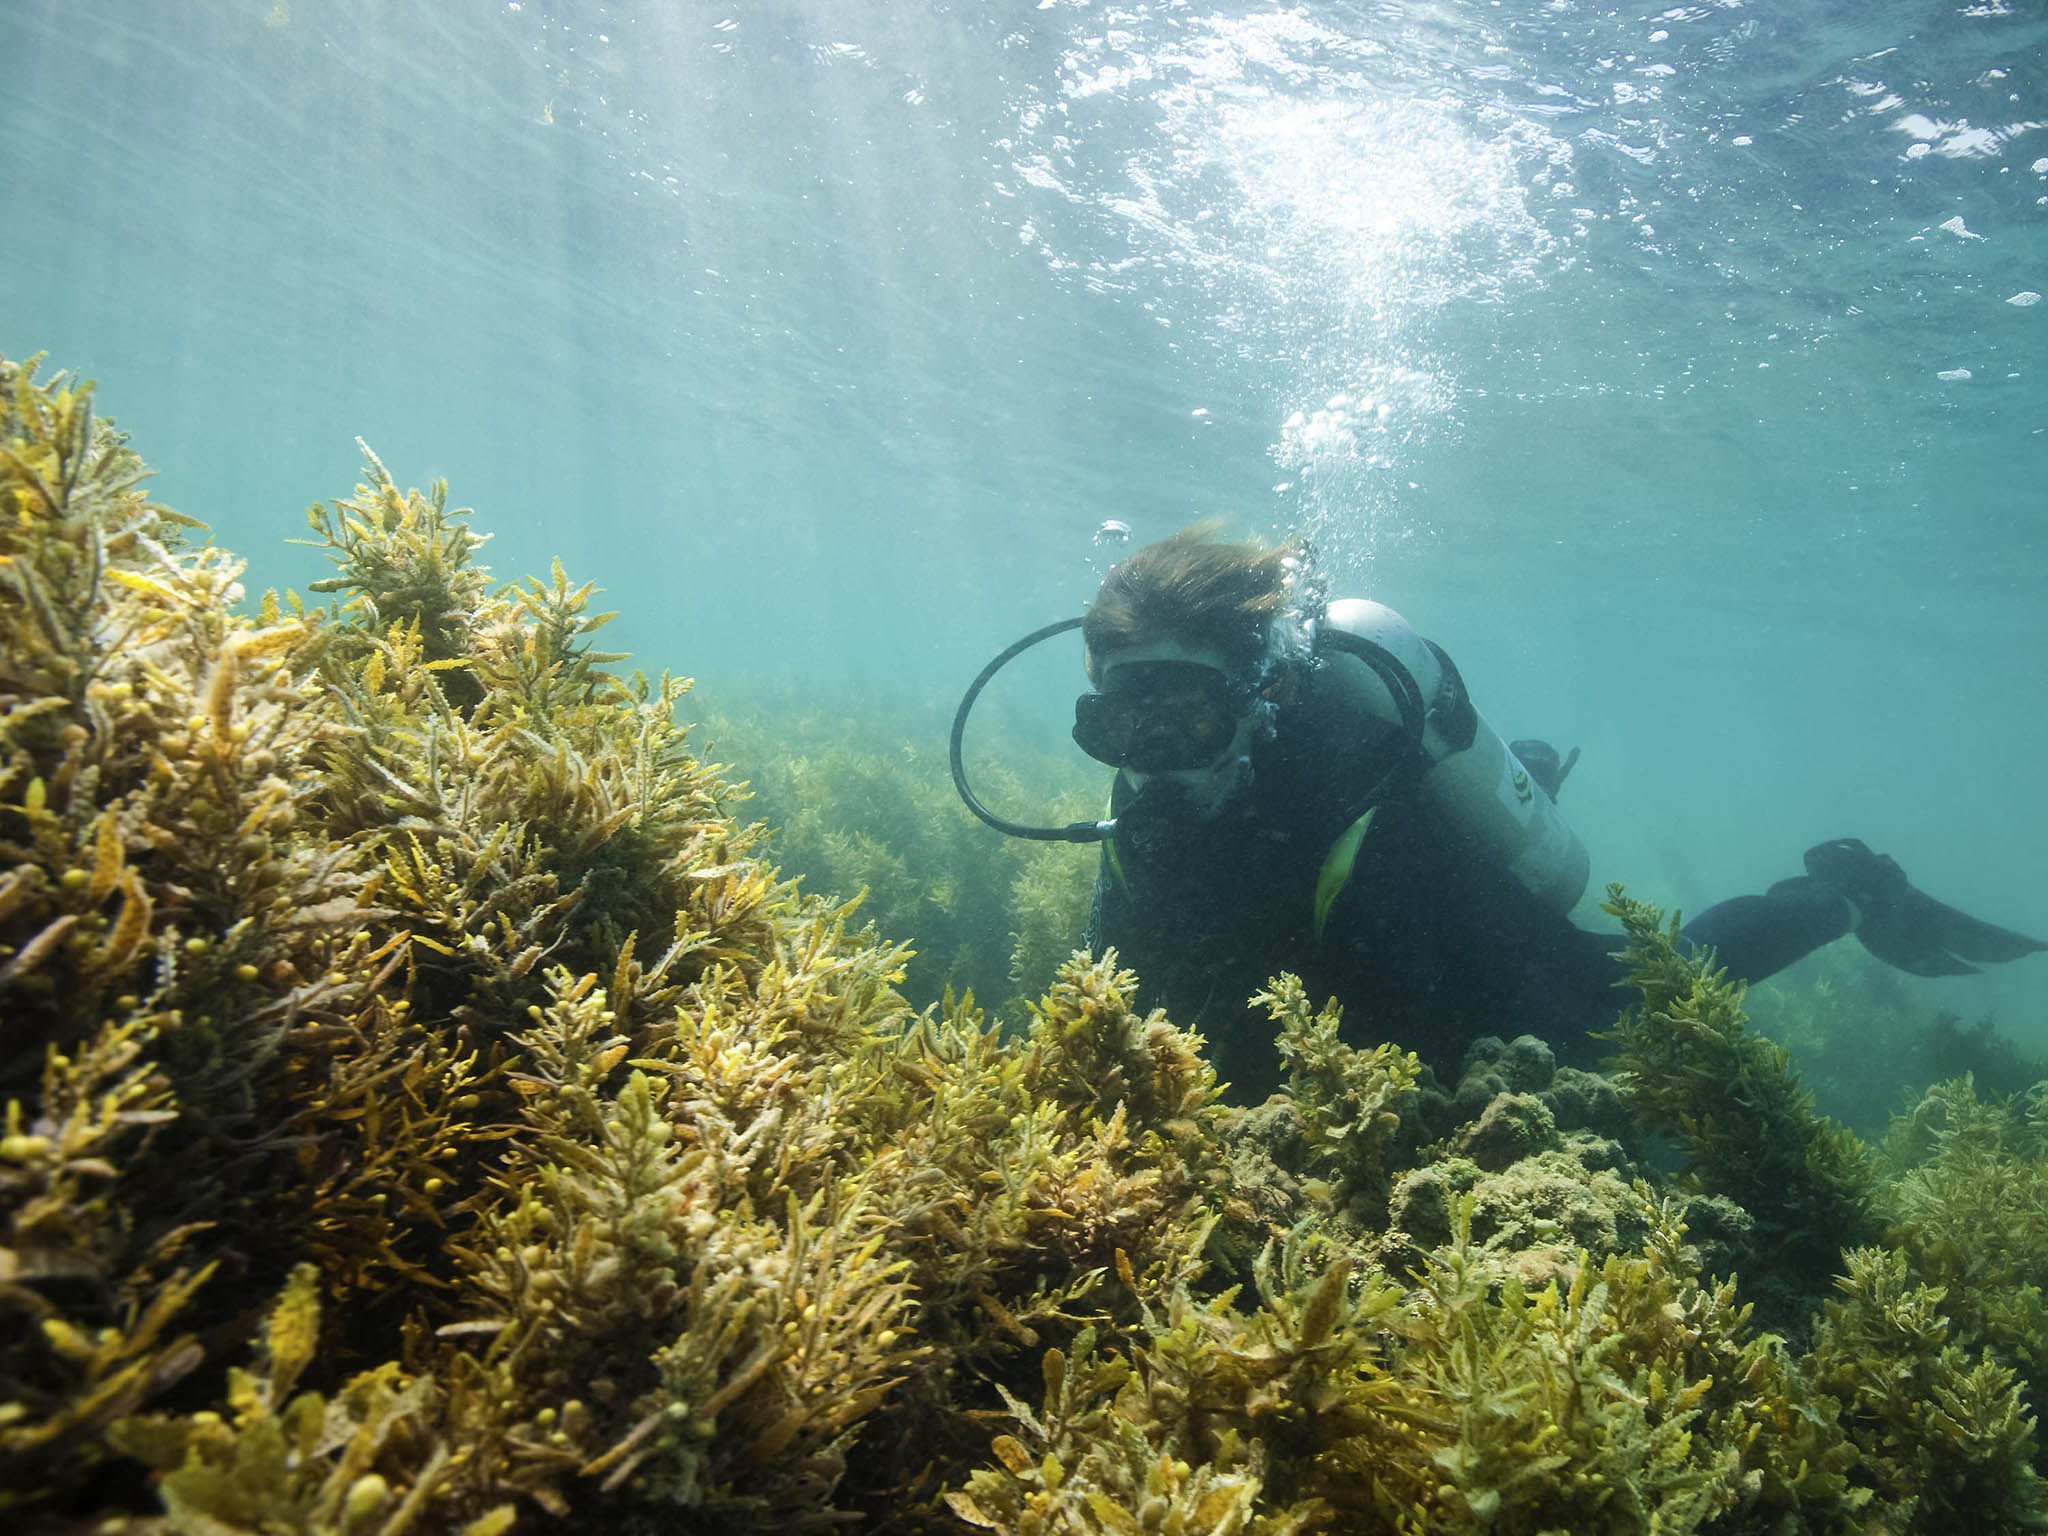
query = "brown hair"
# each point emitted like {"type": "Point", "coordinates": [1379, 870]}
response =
{"type": "Point", "coordinates": [1194, 589]}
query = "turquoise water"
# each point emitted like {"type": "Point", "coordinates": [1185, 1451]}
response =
{"type": "Point", "coordinates": [1679, 370]}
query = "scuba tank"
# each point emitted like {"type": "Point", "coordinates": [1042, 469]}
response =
{"type": "Point", "coordinates": [1466, 773]}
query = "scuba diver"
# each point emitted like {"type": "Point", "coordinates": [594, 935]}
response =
{"type": "Point", "coordinates": [1306, 786]}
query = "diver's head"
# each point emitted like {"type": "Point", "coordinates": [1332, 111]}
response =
{"type": "Point", "coordinates": [1189, 644]}
{"type": "Point", "coordinates": [1202, 592]}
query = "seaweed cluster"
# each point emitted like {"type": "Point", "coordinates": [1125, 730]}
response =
{"type": "Point", "coordinates": [429, 1110]}
{"type": "Point", "coordinates": [1689, 1067]}
{"type": "Point", "coordinates": [1864, 1045]}
{"type": "Point", "coordinates": [862, 807]}
{"type": "Point", "coordinates": [424, 1103]}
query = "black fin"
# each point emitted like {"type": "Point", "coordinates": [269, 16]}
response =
{"type": "Point", "coordinates": [1906, 927]}
{"type": "Point", "coordinates": [1975, 939]}
{"type": "Point", "coordinates": [1910, 949]}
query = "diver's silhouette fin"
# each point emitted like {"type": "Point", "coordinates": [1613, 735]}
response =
{"type": "Point", "coordinates": [1907, 927]}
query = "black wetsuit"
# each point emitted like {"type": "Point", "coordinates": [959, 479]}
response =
{"type": "Point", "coordinates": [1430, 943]}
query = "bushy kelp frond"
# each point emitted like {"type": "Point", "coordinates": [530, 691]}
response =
{"type": "Point", "coordinates": [544, 658]}
{"type": "Point", "coordinates": [1919, 1348]}
{"type": "Point", "coordinates": [404, 560]}
{"type": "Point", "coordinates": [147, 989]}
{"type": "Point", "coordinates": [365, 1462]}
{"type": "Point", "coordinates": [1096, 1462]}
{"type": "Point", "coordinates": [743, 1343]}
{"type": "Point", "coordinates": [494, 825]}
{"type": "Point", "coordinates": [1690, 1068]}
{"type": "Point", "coordinates": [1350, 1099]}
{"type": "Point", "coordinates": [484, 730]}
{"type": "Point", "coordinates": [1946, 1438]}
{"type": "Point", "coordinates": [1631, 1398]}
{"type": "Point", "coordinates": [284, 907]}
{"type": "Point", "coordinates": [1304, 1375]}
{"type": "Point", "coordinates": [1622, 1399]}
{"type": "Point", "coordinates": [1968, 1208]}
{"type": "Point", "coordinates": [978, 1181]}
{"type": "Point", "coordinates": [864, 805]}
{"type": "Point", "coordinates": [70, 1373]}
{"type": "Point", "coordinates": [1028, 1181]}
{"type": "Point", "coordinates": [73, 521]}
{"type": "Point", "coordinates": [1090, 1052]}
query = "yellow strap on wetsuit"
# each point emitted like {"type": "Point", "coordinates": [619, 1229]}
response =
{"type": "Point", "coordinates": [1116, 864]}
{"type": "Point", "coordinates": [1336, 870]}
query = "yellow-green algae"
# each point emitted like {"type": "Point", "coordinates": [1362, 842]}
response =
{"type": "Point", "coordinates": [859, 809]}
{"type": "Point", "coordinates": [1856, 1033]}
{"type": "Point", "coordinates": [428, 1111]}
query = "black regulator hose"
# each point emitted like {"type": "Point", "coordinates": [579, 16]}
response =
{"type": "Point", "coordinates": [1073, 832]}
{"type": "Point", "coordinates": [1408, 702]}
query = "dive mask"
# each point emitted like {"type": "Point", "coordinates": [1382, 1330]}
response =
{"type": "Point", "coordinates": [1160, 716]}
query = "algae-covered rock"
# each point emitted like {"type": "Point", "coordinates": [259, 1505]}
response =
{"type": "Point", "coordinates": [1511, 1127]}
{"type": "Point", "coordinates": [1524, 1064]}
{"type": "Point", "coordinates": [1589, 1101]}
